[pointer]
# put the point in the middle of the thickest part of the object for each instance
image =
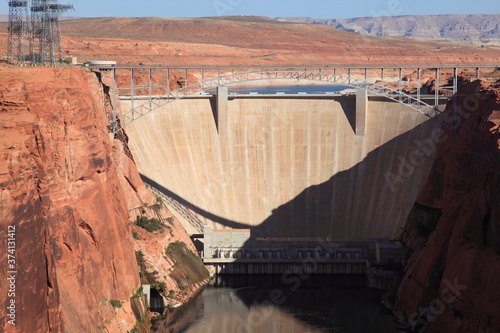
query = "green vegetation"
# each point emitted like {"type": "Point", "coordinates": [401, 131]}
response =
{"type": "Point", "coordinates": [137, 294]}
{"type": "Point", "coordinates": [150, 225]}
{"type": "Point", "coordinates": [135, 329]}
{"type": "Point", "coordinates": [173, 247]}
{"type": "Point", "coordinates": [115, 303]}
{"type": "Point", "coordinates": [158, 203]}
{"type": "Point", "coordinates": [161, 286]}
{"type": "Point", "coordinates": [135, 235]}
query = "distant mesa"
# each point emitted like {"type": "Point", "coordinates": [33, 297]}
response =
{"type": "Point", "coordinates": [481, 29]}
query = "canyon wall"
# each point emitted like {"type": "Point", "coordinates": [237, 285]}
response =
{"type": "Point", "coordinates": [60, 189]}
{"type": "Point", "coordinates": [452, 280]}
{"type": "Point", "coordinates": [67, 195]}
{"type": "Point", "coordinates": [288, 166]}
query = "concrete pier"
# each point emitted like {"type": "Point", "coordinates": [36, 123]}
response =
{"type": "Point", "coordinates": [221, 110]}
{"type": "Point", "coordinates": [361, 111]}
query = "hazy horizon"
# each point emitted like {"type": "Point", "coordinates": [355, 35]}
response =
{"type": "Point", "coordinates": [318, 9]}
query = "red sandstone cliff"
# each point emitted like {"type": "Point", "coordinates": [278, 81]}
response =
{"type": "Point", "coordinates": [70, 192]}
{"type": "Point", "coordinates": [60, 188]}
{"type": "Point", "coordinates": [452, 281]}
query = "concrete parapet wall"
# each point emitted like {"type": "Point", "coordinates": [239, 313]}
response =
{"type": "Point", "coordinates": [288, 167]}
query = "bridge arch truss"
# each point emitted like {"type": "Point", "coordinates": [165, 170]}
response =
{"type": "Point", "coordinates": [147, 102]}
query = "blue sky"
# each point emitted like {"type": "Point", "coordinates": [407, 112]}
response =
{"type": "Point", "coordinates": [274, 8]}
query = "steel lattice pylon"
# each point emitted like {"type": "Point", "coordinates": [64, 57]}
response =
{"type": "Point", "coordinates": [34, 31]}
{"type": "Point", "coordinates": [46, 40]}
{"type": "Point", "coordinates": [19, 32]}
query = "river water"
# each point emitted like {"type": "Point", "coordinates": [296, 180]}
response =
{"type": "Point", "coordinates": [267, 304]}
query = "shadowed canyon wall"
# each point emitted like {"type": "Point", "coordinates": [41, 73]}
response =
{"type": "Point", "coordinates": [288, 166]}
{"type": "Point", "coordinates": [452, 280]}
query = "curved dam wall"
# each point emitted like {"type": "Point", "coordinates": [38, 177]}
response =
{"type": "Point", "coordinates": [288, 166]}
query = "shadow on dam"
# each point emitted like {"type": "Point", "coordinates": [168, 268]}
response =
{"type": "Point", "coordinates": [306, 300]}
{"type": "Point", "coordinates": [364, 199]}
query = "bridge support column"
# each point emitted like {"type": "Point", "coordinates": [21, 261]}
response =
{"type": "Point", "coordinates": [361, 111]}
{"type": "Point", "coordinates": [221, 106]}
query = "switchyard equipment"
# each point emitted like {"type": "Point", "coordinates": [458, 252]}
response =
{"type": "Point", "coordinates": [35, 37]}
{"type": "Point", "coordinates": [19, 31]}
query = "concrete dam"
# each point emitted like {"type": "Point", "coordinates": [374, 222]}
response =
{"type": "Point", "coordinates": [287, 166]}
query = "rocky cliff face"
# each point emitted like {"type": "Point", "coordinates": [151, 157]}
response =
{"type": "Point", "coordinates": [66, 190]}
{"type": "Point", "coordinates": [60, 189]}
{"type": "Point", "coordinates": [452, 280]}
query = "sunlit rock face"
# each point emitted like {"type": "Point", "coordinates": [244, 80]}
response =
{"type": "Point", "coordinates": [60, 188]}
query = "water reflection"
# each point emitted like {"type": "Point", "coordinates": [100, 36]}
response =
{"type": "Point", "coordinates": [265, 304]}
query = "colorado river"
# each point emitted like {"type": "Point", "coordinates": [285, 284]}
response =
{"type": "Point", "coordinates": [266, 304]}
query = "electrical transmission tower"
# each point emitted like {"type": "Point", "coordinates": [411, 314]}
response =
{"type": "Point", "coordinates": [46, 46]}
{"type": "Point", "coordinates": [41, 30]}
{"type": "Point", "coordinates": [19, 31]}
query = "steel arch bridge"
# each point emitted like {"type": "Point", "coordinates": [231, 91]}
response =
{"type": "Point", "coordinates": [142, 105]}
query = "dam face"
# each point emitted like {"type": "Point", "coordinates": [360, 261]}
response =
{"type": "Point", "coordinates": [287, 166]}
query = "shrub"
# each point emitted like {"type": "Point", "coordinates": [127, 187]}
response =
{"type": "Point", "coordinates": [115, 303]}
{"type": "Point", "coordinates": [137, 294]}
{"type": "Point", "coordinates": [150, 225]}
{"type": "Point", "coordinates": [161, 286]}
{"type": "Point", "coordinates": [174, 246]}
{"type": "Point", "coordinates": [158, 203]}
